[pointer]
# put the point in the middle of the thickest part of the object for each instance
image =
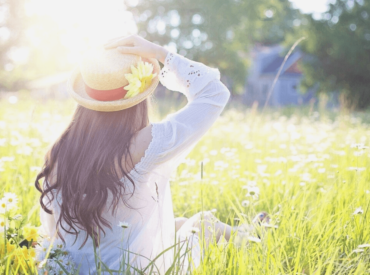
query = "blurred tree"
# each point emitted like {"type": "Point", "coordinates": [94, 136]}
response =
{"type": "Point", "coordinates": [217, 32]}
{"type": "Point", "coordinates": [339, 48]}
{"type": "Point", "coordinates": [28, 45]}
{"type": "Point", "coordinates": [12, 27]}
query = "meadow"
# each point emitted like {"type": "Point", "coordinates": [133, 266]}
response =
{"type": "Point", "coordinates": [308, 168]}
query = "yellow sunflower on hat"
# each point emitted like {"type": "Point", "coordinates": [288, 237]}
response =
{"type": "Point", "coordinates": [140, 78]}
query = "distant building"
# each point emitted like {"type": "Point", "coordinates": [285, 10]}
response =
{"type": "Point", "coordinates": [266, 62]}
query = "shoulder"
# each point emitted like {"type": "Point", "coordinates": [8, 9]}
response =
{"type": "Point", "coordinates": [140, 142]}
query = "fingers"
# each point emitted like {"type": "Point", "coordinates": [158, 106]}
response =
{"type": "Point", "coordinates": [125, 41]}
{"type": "Point", "coordinates": [132, 50]}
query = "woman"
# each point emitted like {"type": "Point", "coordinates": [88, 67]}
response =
{"type": "Point", "coordinates": [106, 179]}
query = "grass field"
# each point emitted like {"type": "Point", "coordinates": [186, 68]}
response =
{"type": "Point", "coordinates": [311, 170]}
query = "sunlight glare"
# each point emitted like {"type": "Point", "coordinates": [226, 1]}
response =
{"type": "Point", "coordinates": [85, 23]}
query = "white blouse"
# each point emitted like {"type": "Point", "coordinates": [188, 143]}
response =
{"type": "Point", "coordinates": [150, 219]}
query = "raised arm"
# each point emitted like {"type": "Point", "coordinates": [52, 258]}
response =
{"type": "Point", "coordinates": [175, 136]}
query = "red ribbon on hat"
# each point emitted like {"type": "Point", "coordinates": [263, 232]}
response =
{"type": "Point", "coordinates": [106, 95]}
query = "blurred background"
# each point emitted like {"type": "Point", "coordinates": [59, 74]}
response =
{"type": "Point", "coordinates": [41, 41]}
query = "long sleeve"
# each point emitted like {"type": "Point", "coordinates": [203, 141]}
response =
{"type": "Point", "coordinates": [175, 136]}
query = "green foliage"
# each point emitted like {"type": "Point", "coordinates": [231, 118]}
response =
{"type": "Point", "coordinates": [339, 46]}
{"type": "Point", "coordinates": [219, 33]}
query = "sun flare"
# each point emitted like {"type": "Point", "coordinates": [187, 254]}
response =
{"type": "Point", "coordinates": [84, 23]}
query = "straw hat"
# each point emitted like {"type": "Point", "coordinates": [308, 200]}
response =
{"type": "Point", "coordinates": [98, 82]}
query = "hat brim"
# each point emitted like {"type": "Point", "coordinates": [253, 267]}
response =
{"type": "Point", "coordinates": [76, 89]}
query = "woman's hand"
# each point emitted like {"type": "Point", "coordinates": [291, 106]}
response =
{"type": "Point", "coordinates": [134, 44]}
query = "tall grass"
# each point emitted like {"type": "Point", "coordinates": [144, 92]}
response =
{"type": "Point", "coordinates": [312, 170]}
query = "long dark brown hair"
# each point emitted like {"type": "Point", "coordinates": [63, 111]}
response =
{"type": "Point", "coordinates": [88, 157]}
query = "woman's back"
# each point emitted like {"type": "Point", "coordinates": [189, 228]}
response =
{"type": "Point", "coordinates": [157, 150]}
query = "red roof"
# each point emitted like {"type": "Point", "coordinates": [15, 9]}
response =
{"type": "Point", "coordinates": [294, 68]}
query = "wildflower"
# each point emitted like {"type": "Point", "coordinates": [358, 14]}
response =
{"type": "Point", "coordinates": [140, 78]}
{"type": "Point", "coordinates": [356, 169]}
{"type": "Point", "coordinates": [11, 200]}
{"type": "Point", "coordinates": [3, 206]}
{"type": "Point", "coordinates": [3, 224]}
{"type": "Point", "coordinates": [253, 239]}
{"type": "Point", "coordinates": [321, 170]}
{"type": "Point", "coordinates": [123, 225]}
{"type": "Point", "coordinates": [30, 233]}
{"type": "Point", "coordinates": [245, 203]}
{"type": "Point", "coordinates": [359, 146]}
{"type": "Point", "coordinates": [43, 247]}
{"type": "Point", "coordinates": [7, 159]}
{"type": "Point", "coordinates": [253, 191]}
{"type": "Point", "coordinates": [358, 250]}
{"type": "Point", "coordinates": [41, 252]}
{"type": "Point", "coordinates": [194, 230]}
{"type": "Point", "coordinates": [358, 210]}
{"type": "Point", "coordinates": [364, 245]}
